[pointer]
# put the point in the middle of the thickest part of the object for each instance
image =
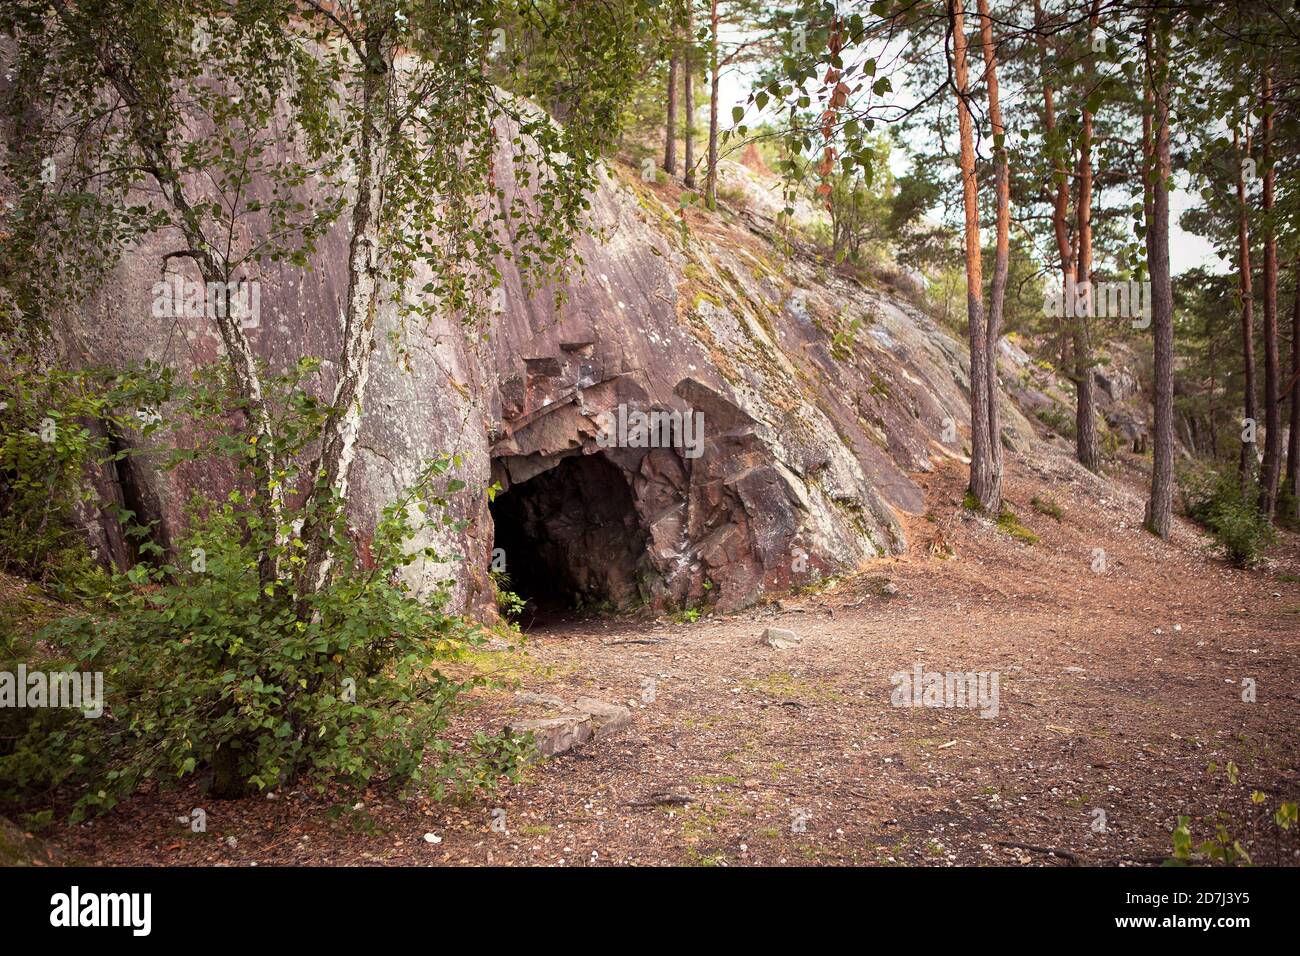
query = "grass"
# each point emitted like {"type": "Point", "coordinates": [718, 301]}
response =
{"type": "Point", "coordinates": [1009, 524]}
{"type": "Point", "coordinates": [788, 687]}
{"type": "Point", "coordinates": [1046, 506]}
{"type": "Point", "coordinates": [507, 668]}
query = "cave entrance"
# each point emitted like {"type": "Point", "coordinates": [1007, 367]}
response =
{"type": "Point", "coordinates": [570, 538]}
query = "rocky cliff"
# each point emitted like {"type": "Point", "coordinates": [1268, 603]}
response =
{"type": "Point", "coordinates": [815, 395]}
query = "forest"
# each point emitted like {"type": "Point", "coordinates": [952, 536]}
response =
{"type": "Point", "coordinates": [682, 433]}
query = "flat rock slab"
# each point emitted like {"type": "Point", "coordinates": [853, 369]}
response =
{"type": "Point", "coordinates": [780, 638]}
{"type": "Point", "coordinates": [555, 735]}
{"type": "Point", "coordinates": [547, 700]}
{"type": "Point", "coordinates": [609, 718]}
{"type": "Point", "coordinates": [584, 720]}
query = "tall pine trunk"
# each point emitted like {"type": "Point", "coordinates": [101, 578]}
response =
{"type": "Point", "coordinates": [1061, 205]}
{"type": "Point", "coordinates": [1245, 284]}
{"type": "Point", "coordinates": [1002, 253]}
{"type": "Point", "coordinates": [984, 483]}
{"type": "Point", "coordinates": [1293, 442]}
{"type": "Point", "coordinates": [670, 121]}
{"type": "Point", "coordinates": [711, 182]}
{"type": "Point", "coordinates": [688, 96]}
{"type": "Point", "coordinates": [1085, 419]}
{"type": "Point", "coordinates": [1156, 184]}
{"type": "Point", "coordinates": [1272, 413]}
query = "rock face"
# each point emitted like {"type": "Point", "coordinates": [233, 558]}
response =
{"type": "Point", "coordinates": [801, 402]}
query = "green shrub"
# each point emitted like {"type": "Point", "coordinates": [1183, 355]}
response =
{"type": "Point", "coordinates": [218, 664]}
{"type": "Point", "coordinates": [1198, 485]}
{"type": "Point", "coordinates": [509, 604]}
{"type": "Point", "coordinates": [1228, 511]}
{"type": "Point", "coordinates": [207, 669]}
{"type": "Point", "coordinates": [1059, 419]}
{"type": "Point", "coordinates": [1288, 509]}
{"type": "Point", "coordinates": [55, 425]}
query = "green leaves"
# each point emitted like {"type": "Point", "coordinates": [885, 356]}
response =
{"type": "Point", "coordinates": [206, 657]}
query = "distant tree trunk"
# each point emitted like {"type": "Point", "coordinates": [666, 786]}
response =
{"type": "Point", "coordinates": [1293, 442]}
{"type": "Point", "coordinates": [1085, 418]}
{"type": "Point", "coordinates": [1156, 182]}
{"type": "Point", "coordinates": [1211, 408]}
{"type": "Point", "coordinates": [1245, 284]}
{"type": "Point", "coordinates": [711, 183]}
{"type": "Point", "coordinates": [1061, 206]}
{"type": "Point", "coordinates": [688, 96]}
{"type": "Point", "coordinates": [670, 125]}
{"type": "Point", "coordinates": [1002, 254]}
{"type": "Point", "coordinates": [984, 483]}
{"type": "Point", "coordinates": [1272, 412]}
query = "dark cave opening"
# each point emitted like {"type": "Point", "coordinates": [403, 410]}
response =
{"type": "Point", "coordinates": [569, 538]}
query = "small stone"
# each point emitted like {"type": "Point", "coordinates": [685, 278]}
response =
{"type": "Point", "coordinates": [780, 638]}
{"type": "Point", "coordinates": [609, 718]}
{"type": "Point", "coordinates": [432, 838]}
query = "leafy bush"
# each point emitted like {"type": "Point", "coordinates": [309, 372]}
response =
{"type": "Point", "coordinates": [1059, 419]}
{"type": "Point", "coordinates": [509, 604]}
{"type": "Point", "coordinates": [1288, 509]}
{"type": "Point", "coordinates": [212, 666]}
{"type": "Point", "coordinates": [1230, 512]}
{"type": "Point", "coordinates": [1222, 847]}
{"type": "Point", "coordinates": [1197, 486]}
{"type": "Point", "coordinates": [55, 426]}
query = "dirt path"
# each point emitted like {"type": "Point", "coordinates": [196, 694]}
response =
{"type": "Point", "coordinates": [1118, 689]}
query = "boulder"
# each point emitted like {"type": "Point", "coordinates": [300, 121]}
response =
{"type": "Point", "coordinates": [780, 638]}
{"type": "Point", "coordinates": [586, 719]}
{"type": "Point", "coordinates": [555, 735]}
